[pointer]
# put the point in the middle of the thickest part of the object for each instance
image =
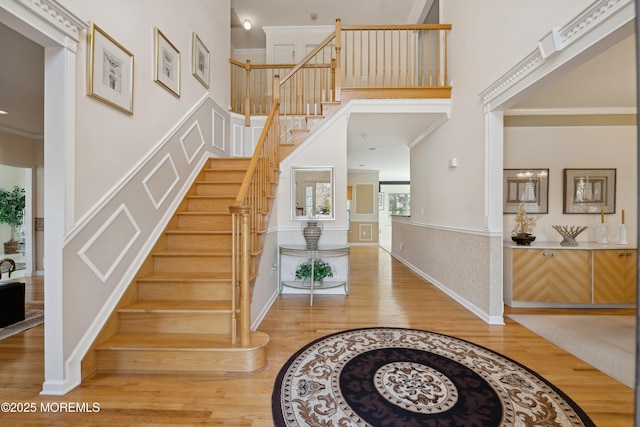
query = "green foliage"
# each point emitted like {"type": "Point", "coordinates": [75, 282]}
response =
{"type": "Point", "coordinates": [12, 208]}
{"type": "Point", "coordinates": [321, 270]}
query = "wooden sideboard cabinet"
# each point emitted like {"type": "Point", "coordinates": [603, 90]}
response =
{"type": "Point", "coordinates": [614, 276]}
{"type": "Point", "coordinates": [551, 275]}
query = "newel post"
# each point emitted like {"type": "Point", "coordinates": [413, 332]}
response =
{"type": "Point", "coordinates": [247, 96]}
{"type": "Point", "coordinates": [276, 87]}
{"type": "Point", "coordinates": [240, 267]}
{"type": "Point", "coordinates": [338, 84]}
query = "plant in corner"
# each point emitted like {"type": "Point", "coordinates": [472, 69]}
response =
{"type": "Point", "coordinates": [521, 233]}
{"type": "Point", "coordinates": [321, 270]}
{"type": "Point", "coordinates": [11, 212]}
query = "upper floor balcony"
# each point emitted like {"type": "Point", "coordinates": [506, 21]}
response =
{"type": "Point", "coordinates": [381, 61]}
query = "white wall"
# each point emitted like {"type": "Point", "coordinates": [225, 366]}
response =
{"type": "Point", "coordinates": [300, 37]}
{"type": "Point", "coordinates": [557, 148]}
{"type": "Point", "coordinates": [110, 143]}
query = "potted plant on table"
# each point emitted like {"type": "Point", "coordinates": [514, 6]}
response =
{"type": "Point", "coordinates": [521, 233]}
{"type": "Point", "coordinates": [11, 212]}
{"type": "Point", "coordinates": [321, 269]}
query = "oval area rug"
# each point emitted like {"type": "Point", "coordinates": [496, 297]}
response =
{"type": "Point", "coordinates": [408, 377]}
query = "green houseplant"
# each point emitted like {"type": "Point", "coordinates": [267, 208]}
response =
{"type": "Point", "coordinates": [11, 212]}
{"type": "Point", "coordinates": [321, 270]}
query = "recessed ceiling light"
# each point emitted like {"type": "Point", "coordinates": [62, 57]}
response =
{"type": "Point", "coordinates": [246, 24]}
{"type": "Point", "coordinates": [373, 148]}
{"type": "Point", "coordinates": [4, 112]}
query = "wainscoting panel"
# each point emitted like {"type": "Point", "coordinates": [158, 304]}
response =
{"type": "Point", "coordinates": [192, 141]}
{"type": "Point", "coordinates": [464, 264]}
{"type": "Point", "coordinates": [219, 140]}
{"type": "Point", "coordinates": [109, 245]}
{"type": "Point", "coordinates": [161, 181]}
{"type": "Point", "coordinates": [238, 138]}
{"type": "Point", "coordinates": [104, 250]}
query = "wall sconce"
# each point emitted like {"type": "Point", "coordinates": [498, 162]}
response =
{"type": "Point", "coordinates": [246, 24]}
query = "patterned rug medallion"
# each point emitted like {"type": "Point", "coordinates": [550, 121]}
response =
{"type": "Point", "coordinates": [406, 377]}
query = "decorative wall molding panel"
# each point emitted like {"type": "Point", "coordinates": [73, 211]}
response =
{"type": "Point", "coordinates": [219, 124]}
{"type": "Point", "coordinates": [161, 181]}
{"type": "Point", "coordinates": [192, 142]}
{"type": "Point", "coordinates": [560, 46]}
{"type": "Point", "coordinates": [105, 249]}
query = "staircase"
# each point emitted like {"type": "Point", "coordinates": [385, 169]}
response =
{"type": "Point", "coordinates": [181, 315]}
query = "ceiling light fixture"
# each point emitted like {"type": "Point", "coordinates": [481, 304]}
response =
{"type": "Point", "coordinates": [4, 112]}
{"type": "Point", "coordinates": [246, 24]}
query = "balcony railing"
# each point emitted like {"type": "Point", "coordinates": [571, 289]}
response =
{"type": "Point", "coordinates": [386, 60]}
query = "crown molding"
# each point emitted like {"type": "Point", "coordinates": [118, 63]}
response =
{"type": "Point", "coordinates": [558, 47]}
{"type": "Point", "coordinates": [21, 133]}
{"type": "Point", "coordinates": [48, 16]}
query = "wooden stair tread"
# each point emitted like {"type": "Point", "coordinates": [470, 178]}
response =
{"type": "Point", "coordinates": [199, 232]}
{"type": "Point", "coordinates": [191, 252]}
{"type": "Point", "coordinates": [209, 196]}
{"type": "Point", "coordinates": [204, 213]}
{"type": "Point", "coordinates": [184, 342]}
{"type": "Point", "coordinates": [174, 306]}
{"type": "Point", "coordinates": [194, 277]}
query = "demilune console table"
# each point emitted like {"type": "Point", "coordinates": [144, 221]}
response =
{"type": "Point", "coordinates": [302, 251]}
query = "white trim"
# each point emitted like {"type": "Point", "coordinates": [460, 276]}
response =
{"type": "Point", "coordinates": [593, 25]}
{"type": "Point", "coordinates": [21, 133]}
{"type": "Point", "coordinates": [187, 156]}
{"type": "Point", "coordinates": [571, 111]}
{"type": "Point", "coordinates": [168, 189]}
{"type": "Point", "coordinates": [104, 276]}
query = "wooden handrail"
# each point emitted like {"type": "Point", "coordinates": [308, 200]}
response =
{"type": "Point", "coordinates": [307, 58]}
{"type": "Point", "coordinates": [247, 212]}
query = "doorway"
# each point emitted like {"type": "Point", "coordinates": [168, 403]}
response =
{"type": "Point", "coordinates": [21, 177]}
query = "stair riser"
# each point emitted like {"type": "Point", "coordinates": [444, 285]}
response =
{"type": "Point", "coordinates": [192, 264]}
{"type": "Point", "coordinates": [175, 323]}
{"type": "Point", "coordinates": [185, 291]}
{"type": "Point", "coordinates": [210, 361]}
{"type": "Point", "coordinates": [204, 222]}
{"type": "Point", "coordinates": [217, 189]}
{"type": "Point", "coordinates": [223, 175]}
{"type": "Point", "coordinates": [228, 163]}
{"type": "Point", "coordinates": [198, 242]}
{"type": "Point", "coordinates": [209, 205]}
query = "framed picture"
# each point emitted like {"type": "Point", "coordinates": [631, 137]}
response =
{"type": "Point", "coordinates": [589, 191]}
{"type": "Point", "coordinates": [530, 186]}
{"type": "Point", "coordinates": [167, 64]}
{"type": "Point", "coordinates": [109, 71]}
{"type": "Point", "coordinates": [200, 64]}
{"type": "Point", "coordinates": [381, 201]}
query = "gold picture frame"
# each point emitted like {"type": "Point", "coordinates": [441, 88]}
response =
{"type": "Point", "coordinates": [166, 70]}
{"type": "Point", "coordinates": [109, 71]}
{"type": "Point", "coordinates": [528, 186]}
{"type": "Point", "coordinates": [200, 66]}
{"type": "Point", "coordinates": [589, 191]}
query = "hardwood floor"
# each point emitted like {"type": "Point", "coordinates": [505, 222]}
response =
{"type": "Point", "coordinates": [383, 293]}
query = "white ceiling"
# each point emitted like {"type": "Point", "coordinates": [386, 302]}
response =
{"type": "Point", "coordinates": [607, 81]}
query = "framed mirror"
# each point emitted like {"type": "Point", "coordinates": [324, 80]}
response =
{"type": "Point", "coordinates": [312, 193]}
